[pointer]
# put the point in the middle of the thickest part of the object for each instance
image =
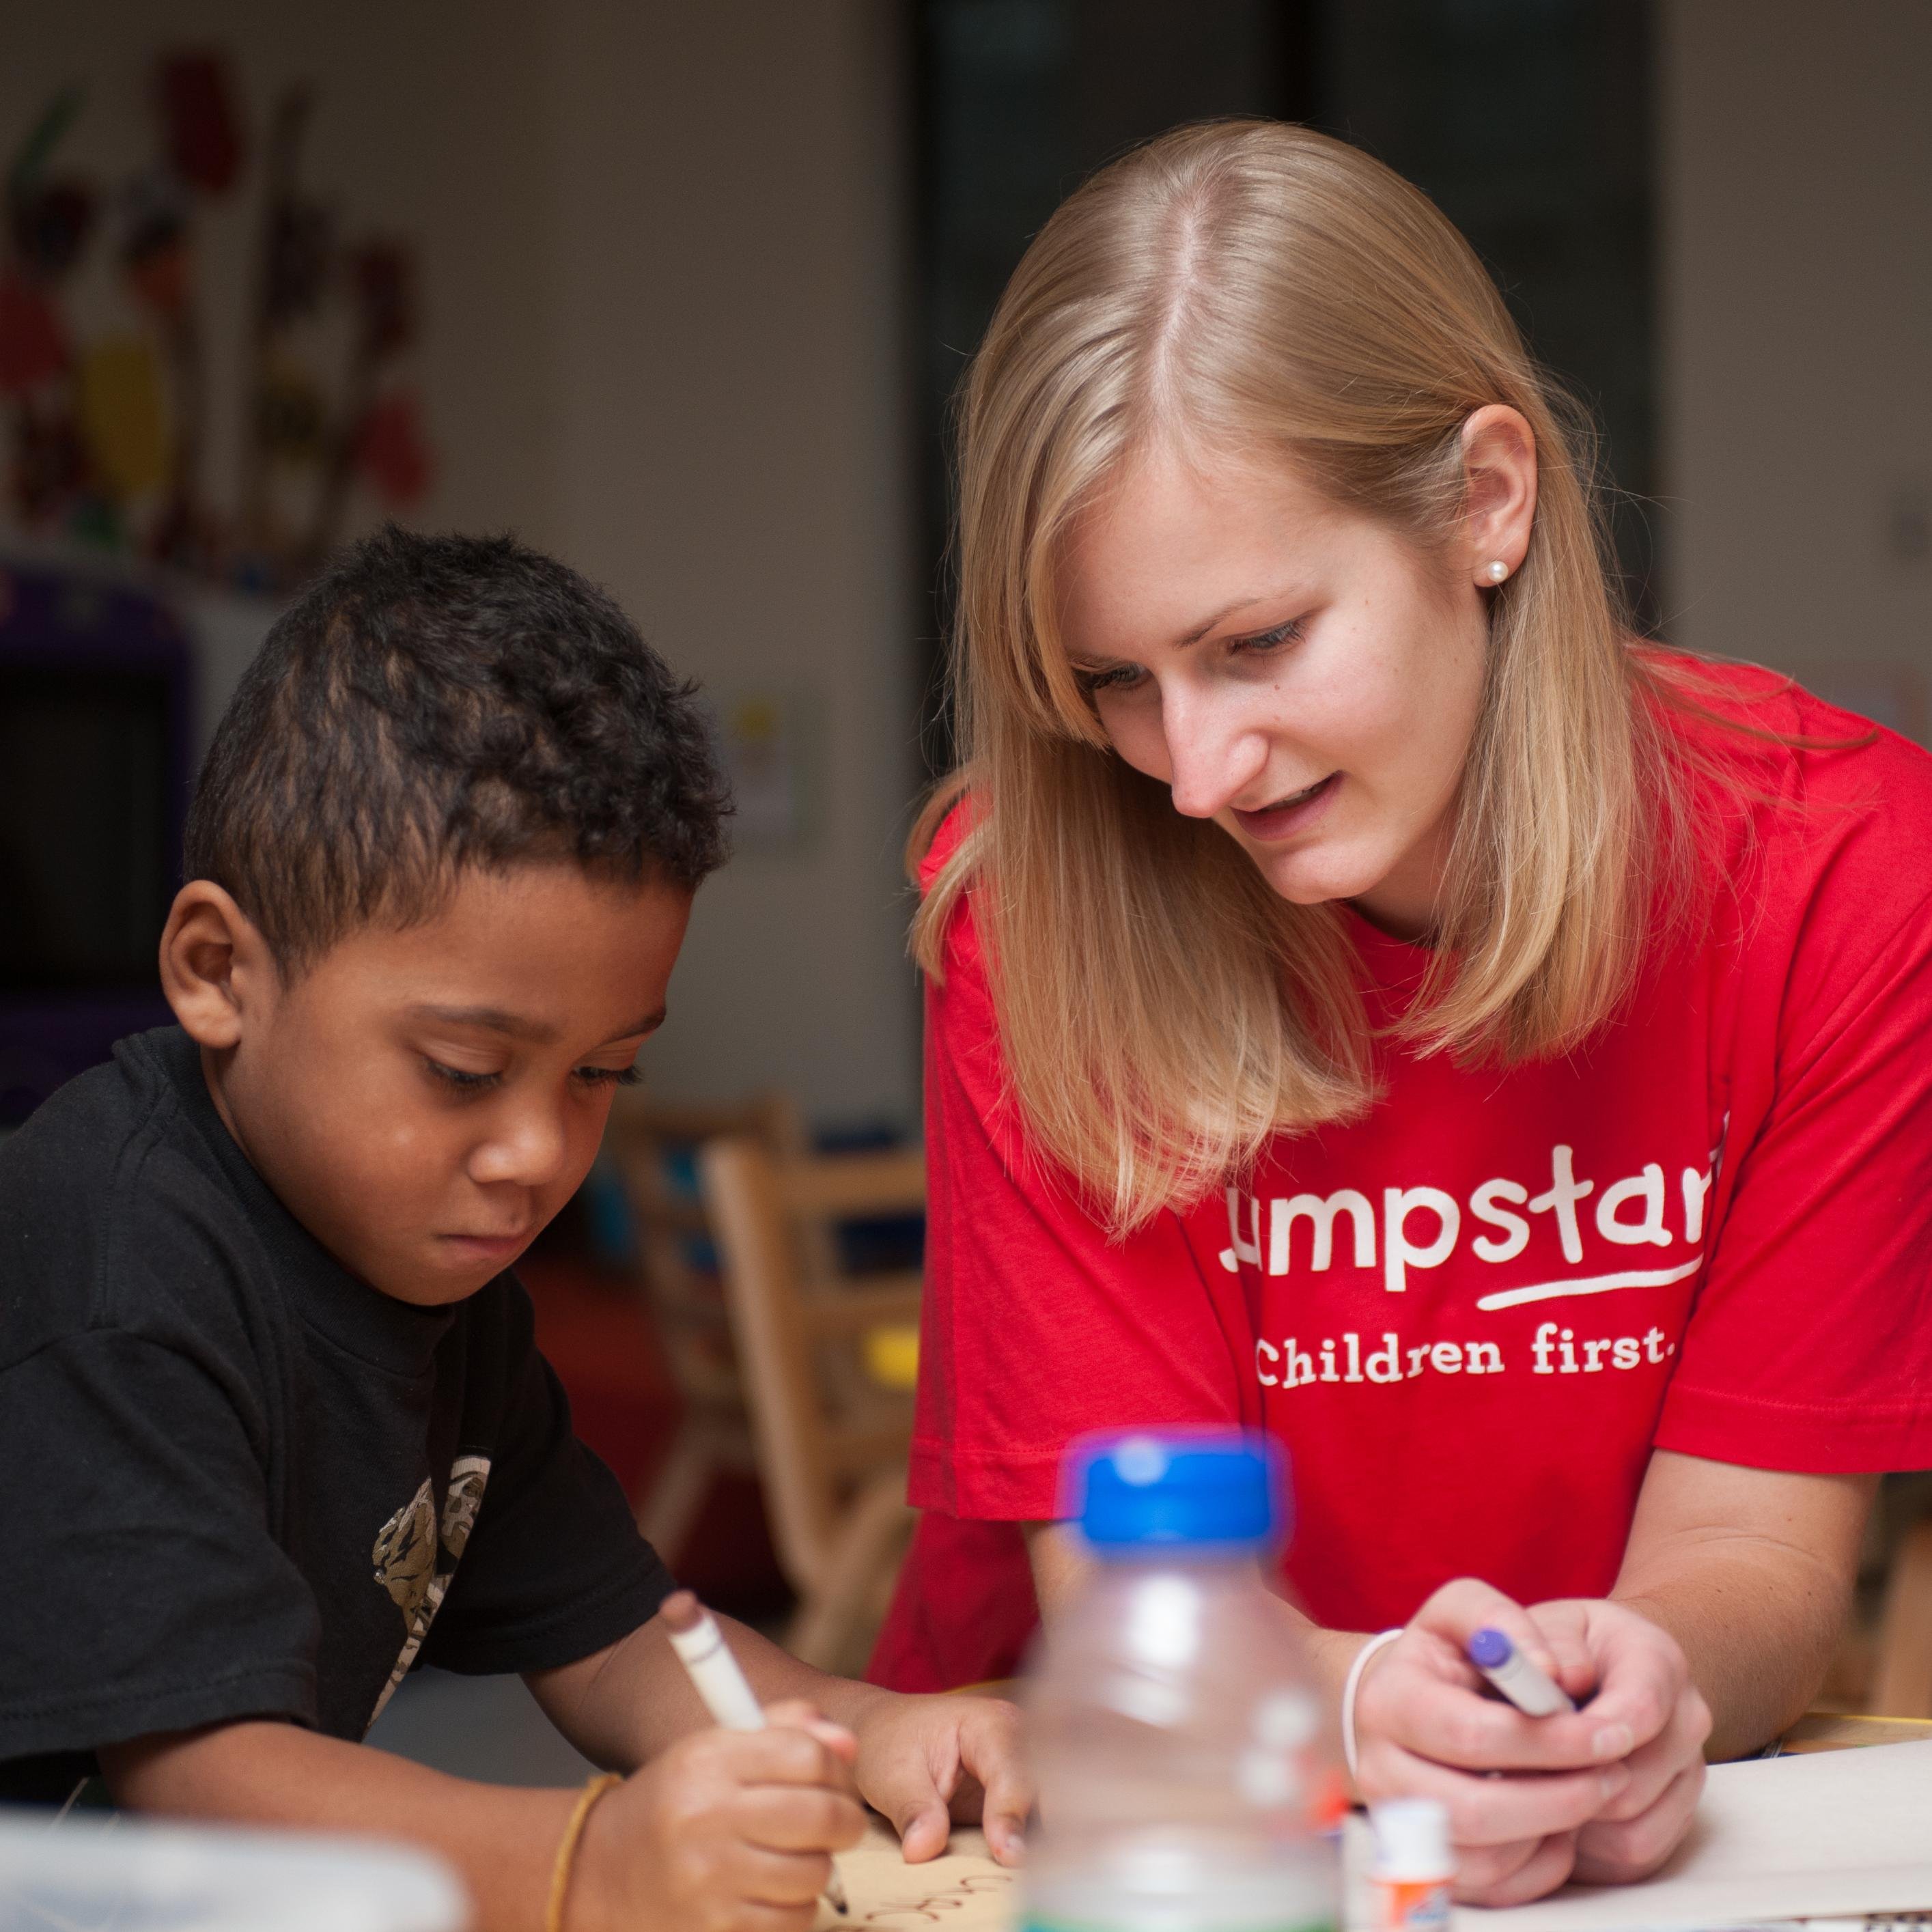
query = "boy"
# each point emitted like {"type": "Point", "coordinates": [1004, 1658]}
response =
{"type": "Point", "coordinates": [273, 1425]}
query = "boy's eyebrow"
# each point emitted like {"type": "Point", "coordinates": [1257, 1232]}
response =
{"type": "Point", "coordinates": [491, 1019]}
{"type": "Point", "coordinates": [494, 1019]}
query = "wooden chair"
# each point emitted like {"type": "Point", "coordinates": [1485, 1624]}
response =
{"type": "Point", "coordinates": [832, 1444]}
{"type": "Point", "coordinates": [1901, 1678]}
{"type": "Point", "coordinates": [647, 1140]}
{"type": "Point", "coordinates": [1883, 1665]}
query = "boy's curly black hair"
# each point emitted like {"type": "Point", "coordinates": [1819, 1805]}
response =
{"type": "Point", "coordinates": [431, 703]}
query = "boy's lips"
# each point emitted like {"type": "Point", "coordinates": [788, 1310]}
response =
{"type": "Point", "coordinates": [491, 1246]}
{"type": "Point", "coordinates": [1290, 815]}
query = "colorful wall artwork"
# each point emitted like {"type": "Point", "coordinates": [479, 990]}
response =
{"type": "Point", "coordinates": [105, 423]}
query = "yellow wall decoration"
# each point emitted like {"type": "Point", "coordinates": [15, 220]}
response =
{"type": "Point", "coordinates": [124, 413]}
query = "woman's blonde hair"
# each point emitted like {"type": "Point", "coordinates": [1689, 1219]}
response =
{"type": "Point", "coordinates": [1260, 290]}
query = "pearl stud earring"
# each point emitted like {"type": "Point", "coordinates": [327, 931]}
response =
{"type": "Point", "coordinates": [1496, 571]}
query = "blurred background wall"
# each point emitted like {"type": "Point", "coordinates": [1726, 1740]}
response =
{"type": "Point", "coordinates": [1794, 167]}
{"type": "Point", "coordinates": [693, 283]}
{"type": "Point", "coordinates": [730, 209]}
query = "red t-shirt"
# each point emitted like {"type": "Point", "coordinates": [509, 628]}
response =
{"type": "Point", "coordinates": [1472, 1315]}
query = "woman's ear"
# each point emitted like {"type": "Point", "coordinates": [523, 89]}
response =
{"type": "Point", "coordinates": [1499, 493]}
{"type": "Point", "coordinates": [216, 968]}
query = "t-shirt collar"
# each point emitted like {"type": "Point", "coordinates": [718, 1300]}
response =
{"type": "Point", "coordinates": [1391, 964]}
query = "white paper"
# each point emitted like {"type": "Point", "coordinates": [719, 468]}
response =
{"type": "Point", "coordinates": [1829, 1835]}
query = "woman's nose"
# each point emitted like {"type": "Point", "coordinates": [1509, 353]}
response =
{"type": "Point", "coordinates": [1212, 759]}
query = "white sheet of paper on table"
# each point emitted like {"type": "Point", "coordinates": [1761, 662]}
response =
{"type": "Point", "coordinates": [1831, 1834]}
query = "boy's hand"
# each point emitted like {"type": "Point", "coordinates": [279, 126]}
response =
{"type": "Point", "coordinates": [927, 1762]}
{"type": "Point", "coordinates": [726, 1831]}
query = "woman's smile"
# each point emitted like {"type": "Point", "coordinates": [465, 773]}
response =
{"type": "Point", "coordinates": [1297, 812]}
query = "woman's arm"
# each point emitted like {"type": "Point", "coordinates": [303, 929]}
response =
{"type": "Point", "coordinates": [1751, 1571]}
{"type": "Point", "coordinates": [1746, 1574]}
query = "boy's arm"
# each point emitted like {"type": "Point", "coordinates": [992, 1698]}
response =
{"type": "Point", "coordinates": [715, 1833]}
{"type": "Point", "coordinates": [502, 1841]}
{"type": "Point", "coordinates": [922, 1761]}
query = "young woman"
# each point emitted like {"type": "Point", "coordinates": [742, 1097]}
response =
{"type": "Point", "coordinates": [1375, 998]}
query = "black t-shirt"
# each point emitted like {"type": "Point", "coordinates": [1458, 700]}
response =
{"type": "Point", "coordinates": [236, 1481]}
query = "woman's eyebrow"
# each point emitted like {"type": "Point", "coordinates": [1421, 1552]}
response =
{"type": "Point", "coordinates": [1226, 610]}
{"type": "Point", "coordinates": [1282, 593]}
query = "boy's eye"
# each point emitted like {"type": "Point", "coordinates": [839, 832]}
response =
{"type": "Point", "coordinates": [463, 1083]}
{"type": "Point", "coordinates": [608, 1076]}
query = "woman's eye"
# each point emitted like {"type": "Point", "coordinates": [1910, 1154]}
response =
{"type": "Point", "coordinates": [1264, 641]}
{"type": "Point", "coordinates": [1122, 677]}
{"type": "Point", "coordinates": [463, 1083]}
{"type": "Point", "coordinates": [608, 1076]}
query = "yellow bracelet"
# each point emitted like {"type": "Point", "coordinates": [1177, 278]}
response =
{"type": "Point", "coordinates": [566, 1851]}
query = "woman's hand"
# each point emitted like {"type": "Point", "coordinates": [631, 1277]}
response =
{"type": "Point", "coordinates": [1606, 1794]}
{"type": "Point", "coordinates": [1635, 1832]}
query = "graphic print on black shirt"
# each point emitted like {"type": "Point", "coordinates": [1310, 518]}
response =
{"type": "Point", "coordinates": [238, 1479]}
{"type": "Point", "coordinates": [416, 1558]}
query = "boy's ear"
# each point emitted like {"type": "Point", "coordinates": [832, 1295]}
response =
{"type": "Point", "coordinates": [215, 964]}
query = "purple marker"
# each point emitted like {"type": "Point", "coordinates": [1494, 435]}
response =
{"type": "Point", "coordinates": [1512, 1673]}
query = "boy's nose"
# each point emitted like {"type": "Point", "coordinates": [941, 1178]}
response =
{"type": "Point", "coordinates": [529, 1151]}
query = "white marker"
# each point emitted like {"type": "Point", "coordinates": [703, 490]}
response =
{"type": "Point", "coordinates": [714, 1674]}
{"type": "Point", "coordinates": [1515, 1676]}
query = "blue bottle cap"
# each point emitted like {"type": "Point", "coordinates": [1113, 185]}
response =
{"type": "Point", "coordinates": [1218, 1488]}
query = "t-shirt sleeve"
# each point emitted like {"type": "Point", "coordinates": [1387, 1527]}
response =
{"type": "Point", "coordinates": [554, 1568]}
{"type": "Point", "coordinates": [1036, 1328]}
{"type": "Point", "coordinates": [1811, 1345]}
{"type": "Point", "coordinates": [145, 1593]}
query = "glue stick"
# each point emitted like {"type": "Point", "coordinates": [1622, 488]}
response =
{"type": "Point", "coordinates": [1410, 1875]}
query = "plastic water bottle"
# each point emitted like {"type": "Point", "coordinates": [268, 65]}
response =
{"type": "Point", "coordinates": [1176, 1731]}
